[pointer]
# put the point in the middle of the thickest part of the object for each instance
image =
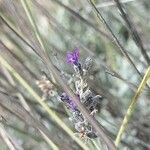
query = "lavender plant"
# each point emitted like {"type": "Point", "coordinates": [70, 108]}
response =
{"type": "Point", "coordinates": [91, 101]}
{"type": "Point", "coordinates": [29, 31]}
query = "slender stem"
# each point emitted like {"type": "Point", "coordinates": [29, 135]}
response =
{"type": "Point", "coordinates": [6, 138]}
{"type": "Point", "coordinates": [95, 144]}
{"type": "Point", "coordinates": [10, 107]}
{"type": "Point", "coordinates": [110, 3]}
{"type": "Point", "coordinates": [49, 141]}
{"type": "Point", "coordinates": [131, 107]}
{"type": "Point", "coordinates": [122, 49]}
{"type": "Point", "coordinates": [98, 128]}
{"type": "Point", "coordinates": [79, 17]}
{"type": "Point", "coordinates": [133, 30]}
{"type": "Point", "coordinates": [18, 34]}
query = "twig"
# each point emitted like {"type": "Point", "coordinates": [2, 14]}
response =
{"type": "Point", "coordinates": [133, 30]}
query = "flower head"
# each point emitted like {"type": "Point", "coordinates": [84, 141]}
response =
{"type": "Point", "coordinates": [65, 98]}
{"type": "Point", "coordinates": [73, 57]}
{"type": "Point", "coordinates": [72, 105]}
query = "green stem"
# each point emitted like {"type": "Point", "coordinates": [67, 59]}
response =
{"type": "Point", "coordinates": [131, 107]}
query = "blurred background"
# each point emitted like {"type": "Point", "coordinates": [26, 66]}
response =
{"type": "Point", "coordinates": [65, 25]}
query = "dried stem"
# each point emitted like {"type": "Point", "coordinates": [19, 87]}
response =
{"type": "Point", "coordinates": [6, 138]}
{"type": "Point", "coordinates": [85, 21]}
{"type": "Point", "coordinates": [107, 4]}
{"type": "Point", "coordinates": [122, 49]}
{"type": "Point", "coordinates": [21, 113]}
{"type": "Point", "coordinates": [5, 20]}
{"type": "Point", "coordinates": [132, 29]}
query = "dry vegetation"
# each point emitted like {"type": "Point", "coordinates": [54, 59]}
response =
{"type": "Point", "coordinates": [35, 36]}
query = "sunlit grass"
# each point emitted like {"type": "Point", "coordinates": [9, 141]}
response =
{"type": "Point", "coordinates": [131, 107]}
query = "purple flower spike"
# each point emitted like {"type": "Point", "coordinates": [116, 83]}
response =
{"type": "Point", "coordinates": [65, 98]}
{"type": "Point", "coordinates": [72, 105]}
{"type": "Point", "coordinates": [73, 57]}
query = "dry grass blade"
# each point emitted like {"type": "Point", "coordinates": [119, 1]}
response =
{"type": "Point", "coordinates": [85, 21]}
{"type": "Point", "coordinates": [133, 30]}
{"type": "Point", "coordinates": [117, 42]}
{"type": "Point", "coordinates": [22, 114]}
{"type": "Point", "coordinates": [5, 20]}
{"type": "Point", "coordinates": [107, 4]}
{"type": "Point", "coordinates": [6, 138]}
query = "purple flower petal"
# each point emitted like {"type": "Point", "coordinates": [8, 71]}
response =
{"type": "Point", "coordinates": [64, 97]}
{"type": "Point", "coordinates": [76, 53]}
{"type": "Point", "coordinates": [71, 104]}
{"type": "Point", "coordinates": [73, 57]}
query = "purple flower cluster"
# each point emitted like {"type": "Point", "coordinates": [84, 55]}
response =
{"type": "Point", "coordinates": [85, 95]}
{"type": "Point", "coordinates": [78, 82]}
{"type": "Point", "coordinates": [73, 57]}
{"type": "Point", "coordinates": [65, 98]}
